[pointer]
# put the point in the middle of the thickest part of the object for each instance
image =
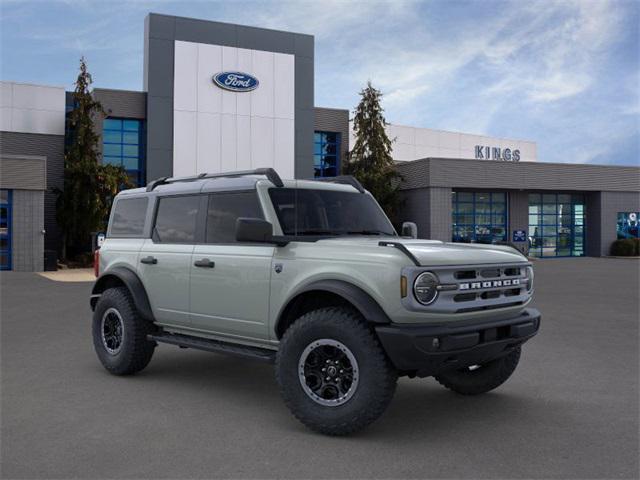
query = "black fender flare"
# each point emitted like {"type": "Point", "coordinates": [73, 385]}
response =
{"type": "Point", "coordinates": [133, 283]}
{"type": "Point", "coordinates": [361, 300]}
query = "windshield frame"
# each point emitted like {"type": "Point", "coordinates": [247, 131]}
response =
{"type": "Point", "coordinates": [386, 227]}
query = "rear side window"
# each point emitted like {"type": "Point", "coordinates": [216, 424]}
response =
{"type": "Point", "coordinates": [128, 217]}
{"type": "Point", "coordinates": [176, 219]}
{"type": "Point", "coordinates": [224, 209]}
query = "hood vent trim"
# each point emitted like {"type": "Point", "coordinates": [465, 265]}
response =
{"type": "Point", "coordinates": [400, 246]}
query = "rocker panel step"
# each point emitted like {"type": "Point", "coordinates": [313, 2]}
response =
{"type": "Point", "coordinates": [217, 346]}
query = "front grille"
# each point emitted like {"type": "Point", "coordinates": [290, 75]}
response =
{"type": "Point", "coordinates": [513, 292]}
{"type": "Point", "coordinates": [490, 273]}
{"type": "Point", "coordinates": [468, 289]}
{"type": "Point", "coordinates": [488, 307]}
{"type": "Point", "coordinates": [484, 288]}
{"type": "Point", "coordinates": [465, 275]}
{"type": "Point", "coordinates": [491, 294]}
{"type": "Point", "coordinates": [465, 297]}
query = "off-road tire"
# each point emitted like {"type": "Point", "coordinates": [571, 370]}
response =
{"type": "Point", "coordinates": [484, 379]}
{"type": "Point", "coordinates": [377, 377]}
{"type": "Point", "coordinates": [136, 351]}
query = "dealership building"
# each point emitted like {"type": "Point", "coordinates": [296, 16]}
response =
{"type": "Point", "coordinates": [220, 97]}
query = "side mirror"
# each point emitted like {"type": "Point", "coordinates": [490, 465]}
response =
{"type": "Point", "coordinates": [409, 229]}
{"type": "Point", "coordinates": [253, 230]}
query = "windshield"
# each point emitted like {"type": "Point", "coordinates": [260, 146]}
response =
{"type": "Point", "coordinates": [328, 212]}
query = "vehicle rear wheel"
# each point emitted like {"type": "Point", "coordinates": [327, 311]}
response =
{"type": "Point", "coordinates": [483, 378]}
{"type": "Point", "coordinates": [332, 372]}
{"type": "Point", "coordinates": [120, 334]}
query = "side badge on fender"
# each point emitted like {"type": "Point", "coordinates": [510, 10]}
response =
{"type": "Point", "coordinates": [278, 267]}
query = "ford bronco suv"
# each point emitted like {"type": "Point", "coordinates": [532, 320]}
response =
{"type": "Point", "coordinates": [311, 276]}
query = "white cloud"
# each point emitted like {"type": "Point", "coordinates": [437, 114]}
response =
{"type": "Point", "coordinates": [459, 66]}
{"type": "Point", "coordinates": [560, 51]}
{"type": "Point", "coordinates": [328, 19]}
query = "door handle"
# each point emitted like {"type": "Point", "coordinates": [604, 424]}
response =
{"type": "Point", "coordinates": [149, 260]}
{"type": "Point", "coordinates": [205, 263]}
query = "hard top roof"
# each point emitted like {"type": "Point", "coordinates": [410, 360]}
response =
{"type": "Point", "coordinates": [240, 181]}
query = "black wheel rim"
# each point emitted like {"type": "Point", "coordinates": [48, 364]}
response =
{"type": "Point", "coordinates": [112, 330]}
{"type": "Point", "coordinates": [328, 372]}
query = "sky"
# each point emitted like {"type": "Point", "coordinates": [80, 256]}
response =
{"type": "Point", "coordinates": [565, 74]}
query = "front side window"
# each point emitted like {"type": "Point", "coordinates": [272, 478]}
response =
{"type": "Point", "coordinates": [223, 211]}
{"type": "Point", "coordinates": [128, 217]}
{"type": "Point", "coordinates": [328, 212]}
{"type": "Point", "coordinates": [176, 219]}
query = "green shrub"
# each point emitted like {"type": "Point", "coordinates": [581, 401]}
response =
{"type": "Point", "coordinates": [628, 247]}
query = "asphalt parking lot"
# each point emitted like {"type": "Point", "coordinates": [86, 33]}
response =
{"type": "Point", "coordinates": [569, 411]}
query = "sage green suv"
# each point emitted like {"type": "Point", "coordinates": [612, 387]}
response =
{"type": "Point", "coordinates": [311, 276]}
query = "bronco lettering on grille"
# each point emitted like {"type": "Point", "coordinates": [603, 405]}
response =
{"type": "Point", "coordinates": [489, 284]}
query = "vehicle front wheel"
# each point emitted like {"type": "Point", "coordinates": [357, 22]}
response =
{"type": "Point", "coordinates": [332, 372]}
{"type": "Point", "coordinates": [481, 378]}
{"type": "Point", "coordinates": [120, 334]}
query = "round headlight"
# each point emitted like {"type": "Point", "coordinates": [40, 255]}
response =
{"type": "Point", "coordinates": [425, 288]}
{"type": "Point", "coordinates": [529, 273]}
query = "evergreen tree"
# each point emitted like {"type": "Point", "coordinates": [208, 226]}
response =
{"type": "Point", "coordinates": [370, 159]}
{"type": "Point", "coordinates": [83, 205]}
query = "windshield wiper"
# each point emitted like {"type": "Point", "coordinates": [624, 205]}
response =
{"type": "Point", "coordinates": [317, 232]}
{"type": "Point", "coordinates": [342, 232]}
{"type": "Point", "coordinates": [367, 232]}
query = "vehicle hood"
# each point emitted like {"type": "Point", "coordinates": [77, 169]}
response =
{"type": "Point", "coordinates": [434, 252]}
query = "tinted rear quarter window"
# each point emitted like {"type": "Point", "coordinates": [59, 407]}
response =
{"type": "Point", "coordinates": [224, 209]}
{"type": "Point", "coordinates": [128, 217]}
{"type": "Point", "coordinates": [176, 219]}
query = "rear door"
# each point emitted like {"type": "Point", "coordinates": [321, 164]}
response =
{"type": "Point", "coordinates": [165, 259]}
{"type": "Point", "coordinates": [230, 280]}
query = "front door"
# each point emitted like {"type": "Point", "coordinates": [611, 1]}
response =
{"type": "Point", "coordinates": [230, 281]}
{"type": "Point", "coordinates": [165, 259]}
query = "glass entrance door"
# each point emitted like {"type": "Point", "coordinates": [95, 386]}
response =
{"type": "Point", "coordinates": [5, 229]}
{"type": "Point", "coordinates": [556, 225]}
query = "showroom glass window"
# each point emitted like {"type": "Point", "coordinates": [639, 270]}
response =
{"type": "Point", "coordinates": [479, 217]}
{"type": "Point", "coordinates": [5, 229]}
{"type": "Point", "coordinates": [123, 145]}
{"type": "Point", "coordinates": [556, 225]}
{"type": "Point", "coordinates": [326, 154]}
{"type": "Point", "coordinates": [627, 225]}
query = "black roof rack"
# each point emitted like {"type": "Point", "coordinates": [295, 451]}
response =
{"type": "Point", "coordinates": [344, 180]}
{"type": "Point", "coordinates": [270, 173]}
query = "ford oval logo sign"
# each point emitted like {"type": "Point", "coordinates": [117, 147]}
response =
{"type": "Point", "coordinates": [236, 81]}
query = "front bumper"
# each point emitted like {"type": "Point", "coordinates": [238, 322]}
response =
{"type": "Point", "coordinates": [426, 350]}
